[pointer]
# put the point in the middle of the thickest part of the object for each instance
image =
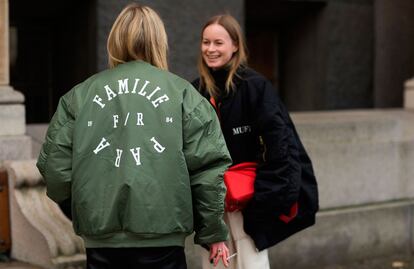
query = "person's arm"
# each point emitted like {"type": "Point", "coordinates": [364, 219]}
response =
{"type": "Point", "coordinates": [207, 158]}
{"type": "Point", "coordinates": [55, 159]}
{"type": "Point", "coordinates": [278, 177]}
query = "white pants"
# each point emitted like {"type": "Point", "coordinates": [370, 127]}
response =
{"type": "Point", "coordinates": [247, 256]}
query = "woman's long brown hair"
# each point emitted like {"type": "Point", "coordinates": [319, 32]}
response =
{"type": "Point", "coordinates": [239, 58]}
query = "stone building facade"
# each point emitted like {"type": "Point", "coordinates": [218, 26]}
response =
{"type": "Point", "coordinates": [339, 65]}
{"type": "Point", "coordinates": [320, 54]}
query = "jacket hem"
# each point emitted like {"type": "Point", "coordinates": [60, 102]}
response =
{"type": "Point", "coordinates": [126, 239]}
{"type": "Point", "coordinates": [266, 237]}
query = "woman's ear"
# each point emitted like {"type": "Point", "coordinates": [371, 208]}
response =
{"type": "Point", "coordinates": [235, 48]}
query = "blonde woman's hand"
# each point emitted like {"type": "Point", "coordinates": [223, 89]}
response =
{"type": "Point", "coordinates": [219, 251]}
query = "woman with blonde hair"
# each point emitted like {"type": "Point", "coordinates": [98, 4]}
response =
{"type": "Point", "coordinates": [260, 137]}
{"type": "Point", "coordinates": [139, 156]}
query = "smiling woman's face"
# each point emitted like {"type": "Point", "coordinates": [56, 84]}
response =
{"type": "Point", "coordinates": [217, 47]}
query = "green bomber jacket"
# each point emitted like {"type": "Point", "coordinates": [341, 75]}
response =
{"type": "Point", "coordinates": [141, 155]}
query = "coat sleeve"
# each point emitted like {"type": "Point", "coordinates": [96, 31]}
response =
{"type": "Point", "coordinates": [55, 159]}
{"type": "Point", "coordinates": [207, 158]}
{"type": "Point", "coordinates": [278, 178]}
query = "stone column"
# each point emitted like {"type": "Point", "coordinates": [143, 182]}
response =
{"type": "Point", "coordinates": [4, 43]}
{"type": "Point", "coordinates": [409, 94]}
{"type": "Point", "coordinates": [13, 142]}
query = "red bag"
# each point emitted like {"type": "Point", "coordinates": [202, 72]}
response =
{"type": "Point", "coordinates": [239, 180]}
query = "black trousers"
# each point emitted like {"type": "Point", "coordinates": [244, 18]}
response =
{"type": "Point", "coordinates": [136, 258]}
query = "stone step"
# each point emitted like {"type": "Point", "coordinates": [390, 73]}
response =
{"type": "Point", "coordinates": [360, 156]}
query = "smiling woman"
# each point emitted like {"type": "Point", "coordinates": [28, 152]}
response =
{"type": "Point", "coordinates": [257, 129]}
{"type": "Point", "coordinates": [217, 46]}
{"type": "Point", "coordinates": [222, 45]}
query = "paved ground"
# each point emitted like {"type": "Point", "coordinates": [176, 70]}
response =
{"type": "Point", "coordinates": [396, 262]}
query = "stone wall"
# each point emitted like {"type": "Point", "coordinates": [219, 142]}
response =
{"type": "Point", "coordinates": [329, 57]}
{"type": "Point", "coordinates": [347, 55]}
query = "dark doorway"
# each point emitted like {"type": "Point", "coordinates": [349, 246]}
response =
{"type": "Point", "coordinates": [275, 33]}
{"type": "Point", "coordinates": [52, 49]}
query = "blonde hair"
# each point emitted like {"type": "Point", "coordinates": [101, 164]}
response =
{"type": "Point", "coordinates": [239, 58]}
{"type": "Point", "coordinates": [138, 33]}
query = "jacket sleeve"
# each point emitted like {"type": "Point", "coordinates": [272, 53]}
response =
{"type": "Point", "coordinates": [55, 159]}
{"type": "Point", "coordinates": [207, 158]}
{"type": "Point", "coordinates": [278, 178]}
